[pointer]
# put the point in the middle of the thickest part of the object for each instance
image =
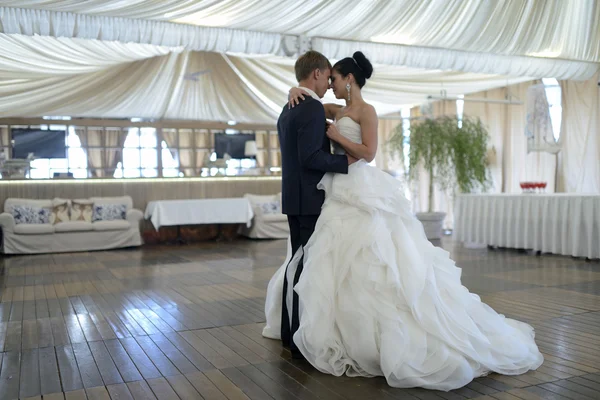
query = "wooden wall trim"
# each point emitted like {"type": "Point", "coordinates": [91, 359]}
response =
{"type": "Point", "coordinates": [141, 190]}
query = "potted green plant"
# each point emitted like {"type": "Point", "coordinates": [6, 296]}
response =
{"type": "Point", "coordinates": [454, 156]}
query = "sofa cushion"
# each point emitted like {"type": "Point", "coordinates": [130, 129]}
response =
{"type": "Point", "coordinates": [264, 204]}
{"type": "Point", "coordinates": [60, 211]}
{"type": "Point", "coordinates": [275, 217]}
{"type": "Point", "coordinates": [261, 198]}
{"type": "Point", "coordinates": [118, 225]}
{"type": "Point", "coordinates": [34, 229]}
{"type": "Point", "coordinates": [271, 207]}
{"type": "Point", "coordinates": [114, 200]}
{"type": "Point", "coordinates": [82, 210]}
{"type": "Point", "coordinates": [109, 212]}
{"type": "Point", "coordinates": [11, 202]}
{"type": "Point", "coordinates": [24, 214]}
{"type": "Point", "coordinates": [73, 226]}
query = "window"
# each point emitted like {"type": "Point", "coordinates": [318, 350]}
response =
{"type": "Point", "coordinates": [553, 95]}
{"type": "Point", "coordinates": [405, 115]}
{"type": "Point", "coordinates": [235, 166]}
{"type": "Point", "coordinates": [169, 162]}
{"type": "Point", "coordinates": [120, 151]}
{"type": "Point", "coordinates": [140, 155]}
{"type": "Point", "coordinates": [75, 163]}
{"type": "Point", "coordinates": [460, 108]}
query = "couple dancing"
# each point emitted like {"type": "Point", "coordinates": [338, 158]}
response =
{"type": "Point", "coordinates": [362, 291]}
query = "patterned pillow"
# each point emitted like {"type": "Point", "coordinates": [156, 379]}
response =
{"type": "Point", "coordinates": [31, 215]}
{"type": "Point", "coordinates": [273, 207]}
{"type": "Point", "coordinates": [109, 212]}
{"type": "Point", "coordinates": [60, 213]}
{"type": "Point", "coordinates": [82, 210]}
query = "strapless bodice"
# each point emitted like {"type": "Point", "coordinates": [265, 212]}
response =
{"type": "Point", "coordinates": [350, 129]}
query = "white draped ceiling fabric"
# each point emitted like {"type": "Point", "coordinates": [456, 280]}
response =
{"type": "Point", "coordinates": [233, 60]}
{"type": "Point", "coordinates": [551, 28]}
{"type": "Point", "coordinates": [43, 75]}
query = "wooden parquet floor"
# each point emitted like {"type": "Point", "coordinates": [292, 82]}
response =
{"type": "Point", "coordinates": [185, 322]}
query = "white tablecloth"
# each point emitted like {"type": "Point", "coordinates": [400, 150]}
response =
{"type": "Point", "coordinates": [201, 211]}
{"type": "Point", "coordinates": [567, 224]}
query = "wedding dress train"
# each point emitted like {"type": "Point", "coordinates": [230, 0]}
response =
{"type": "Point", "coordinates": [378, 299]}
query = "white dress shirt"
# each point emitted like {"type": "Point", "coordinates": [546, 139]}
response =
{"type": "Point", "coordinates": [312, 93]}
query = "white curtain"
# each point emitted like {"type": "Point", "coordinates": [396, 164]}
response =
{"type": "Point", "coordinates": [579, 168]}
{"type": "Point", "coordinates": [538, 127]}
{"type": "Point", "coordinates": [384, 159]}
{"type": "Point", "coordinates": [4, 139]}
{"type": "Point", "coordinates": [457, 60]}
{"type": "Point", "coordinates": [551, 28]}
{"type": "Point", "coordinates": [29, 57]}
{"type": "Point", "coordinates": [419, 188]}
{"type": "Point", "coordinates": [554, 28]}
{"type": "Point", "coordinates": [389, 89]}
{"type": "Point", "coordinates": [139, 88]}
{"type": "Point", "coordinates": [69, 25]}
{"type": "Point", "coordinates": [91, 78]}
{"type": "Point", "coordinates": [468, 37]}
{"type": "Point", "coordinates": [510, 163]}
{"type": "Point", "coordinates": [520, 166]}
{"type": "Point", "coordinates": [580, 137]}
{"type": "Point", "coordinates": [493, 116]}
{"type": "Point", "coordinates": [442, 199]}
{"type": "Point", "coordinates": [143, 9]}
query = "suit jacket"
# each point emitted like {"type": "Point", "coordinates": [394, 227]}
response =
{"type": "Point", "coordinates": [305, 157]}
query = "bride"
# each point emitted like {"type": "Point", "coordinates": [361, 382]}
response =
{"type": "Point", "coordinates": [376, 297]}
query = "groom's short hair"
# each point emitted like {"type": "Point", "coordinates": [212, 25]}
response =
{"type": "Point", "coordinates": [308, 62]}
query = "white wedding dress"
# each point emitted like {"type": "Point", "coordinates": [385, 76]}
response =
{"type": "Point", "coordinates": [378, 299]}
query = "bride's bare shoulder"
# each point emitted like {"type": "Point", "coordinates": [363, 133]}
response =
{"type": "Point", "coordinates": [367, 111]}
{"type": "Point", "coordinates": [367, 108]}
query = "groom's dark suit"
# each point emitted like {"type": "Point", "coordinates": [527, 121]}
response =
{"type": "Point", "coordinates": [305, 158]}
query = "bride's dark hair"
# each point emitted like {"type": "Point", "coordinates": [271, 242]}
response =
{"type": "Point", "coordinates": [357, 65]}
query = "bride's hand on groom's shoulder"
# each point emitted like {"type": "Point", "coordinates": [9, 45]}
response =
{"type": "Point", "coordinates": [294, 96]}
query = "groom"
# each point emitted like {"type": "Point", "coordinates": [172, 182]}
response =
{"type": "Point", "coordinates": [305, 158]}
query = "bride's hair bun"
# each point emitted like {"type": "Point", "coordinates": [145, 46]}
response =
{"type": "Point", "coordinates": [357, 65]}
{"type": "Point", "coordinates": [363, 63]}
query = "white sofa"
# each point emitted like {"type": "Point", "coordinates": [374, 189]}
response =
{"type": "Point", "coordinates": [69, 236]}
{"type": "Point", "coordinates": [268, 221]}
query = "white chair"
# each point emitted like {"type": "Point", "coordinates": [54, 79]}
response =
{"type": "Point", "coordinates": [268, 221]}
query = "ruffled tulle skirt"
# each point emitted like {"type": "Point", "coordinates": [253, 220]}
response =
{"type": "Point", "coordinates": [378, 299]}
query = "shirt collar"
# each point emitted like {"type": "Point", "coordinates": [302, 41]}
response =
{"type": "Point", "coordinates": [312, 93]}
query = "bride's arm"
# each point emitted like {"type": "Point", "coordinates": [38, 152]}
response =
{"type": "Point", "coordinates": [295, 94]}
{"type": "Point", "coordinates": [331, 110]}
{"type": "Point", "coordinates": [368, 125]}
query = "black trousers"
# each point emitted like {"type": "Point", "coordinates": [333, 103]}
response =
{"type": "Point", "coordinates": [301, 229]}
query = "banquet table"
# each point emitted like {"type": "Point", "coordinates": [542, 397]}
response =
{"type": "Point", "coordinates": [561, 223]}
{"type": "Point", "coordinates": [199, 211]}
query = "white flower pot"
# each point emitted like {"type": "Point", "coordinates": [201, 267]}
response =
{"type": "Point", "coordinates": [433, 223]}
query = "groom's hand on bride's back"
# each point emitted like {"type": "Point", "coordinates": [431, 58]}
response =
{"type": "Point", "coordinates": [351, 160]}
